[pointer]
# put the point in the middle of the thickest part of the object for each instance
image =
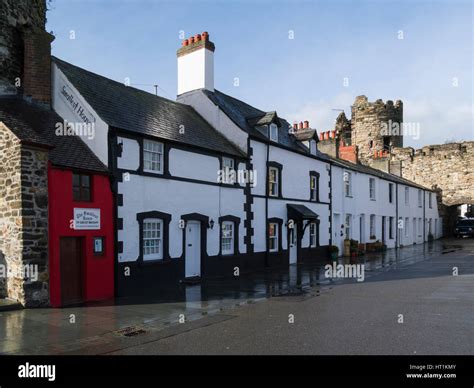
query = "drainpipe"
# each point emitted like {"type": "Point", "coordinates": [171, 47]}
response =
{"type": "Point", "coordinates": [396, 217]}
{"type": "Point", "coordinates": [330, 205]}
{"type": "Point", "coordinates": [424, 215]}
{"type": "Point", "coordinates": [266, 206]}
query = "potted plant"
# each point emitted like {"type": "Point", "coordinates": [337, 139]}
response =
{"type": "Point", "coordinates": [334, 251]}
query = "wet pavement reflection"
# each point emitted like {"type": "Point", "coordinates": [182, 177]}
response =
{"type": "Point", "coordinates": [53, 331]}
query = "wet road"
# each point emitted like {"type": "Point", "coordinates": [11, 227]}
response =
{"type": "Point", "coordinates": [279, 312]}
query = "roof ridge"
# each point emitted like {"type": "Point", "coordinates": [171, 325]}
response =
{"type": "Point", "coordinates": [242, 102]}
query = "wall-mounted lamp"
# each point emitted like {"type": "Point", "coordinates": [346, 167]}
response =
{"type": "Point", "coordinates": [211, 224]}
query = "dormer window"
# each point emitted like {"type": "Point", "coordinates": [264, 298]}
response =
{"type": "Point", "coordinates": [273, 132]}
{"type": "Point", "coordinates": [312, 147]}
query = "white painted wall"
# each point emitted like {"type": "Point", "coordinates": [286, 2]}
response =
{"type": "Point", "coordinates": [130, 159]}
{"type": "Point", "coordinates": [216, 117]}
{"type": "Point", "coordinates": [194, 166]}
{"type": "Point", "coordinates": [360, 204]}
{"type": "Point", "coordinates": [68, 110]}
{"type": "Point", "coordinates": [196, 71]}
{"type": "Point", "coordinates": [145, 193]}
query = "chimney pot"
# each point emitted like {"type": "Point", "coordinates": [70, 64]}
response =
{"type": "Point", "coordinates": [197, 37]}
{"type": "Point", "coordinates": [205, 35]}
{"type": "Point", "coordinates": [185, 42]}
{"type": "Point", "coordinates": [300, 126]}
{"type": "Point", "coordinates": [295, 126]}
{"type": "Point", "coordinates": [191, 40]}
{"type": "Point", "coordinates": [306, 124]}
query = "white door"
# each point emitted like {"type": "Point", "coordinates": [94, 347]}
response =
{"type": "Point", "coordinates": [338, 233]}
{"type": "Point", "coordinates": [193, 249]}
{"type": "Point", "coordinates": [293, 246]}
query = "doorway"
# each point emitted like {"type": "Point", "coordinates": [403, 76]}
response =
{"type": "Point", "coordinates": [193, 249]}
{"type": "Point", "coordinates": [71, 265]}
{"type": "Point", "coordinates": [293, 245]}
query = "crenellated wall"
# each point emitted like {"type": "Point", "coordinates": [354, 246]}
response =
{"type": "Point", "coordinates": [450, 167]}
{"type": "Point", "coordinates": [374, 126]}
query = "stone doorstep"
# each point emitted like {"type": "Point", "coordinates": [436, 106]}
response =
{"type": "Point", "coordinates": [9, 305]}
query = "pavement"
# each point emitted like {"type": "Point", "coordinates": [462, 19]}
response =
{"type": "Point", "coordinates": [409, 303]}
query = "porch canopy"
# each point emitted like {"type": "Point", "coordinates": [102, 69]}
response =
{"type": "Point", "coordinates": [300, 213]}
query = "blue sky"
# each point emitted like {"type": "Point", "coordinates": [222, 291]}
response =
{"type": "Point", "coordinates": [300, 78]}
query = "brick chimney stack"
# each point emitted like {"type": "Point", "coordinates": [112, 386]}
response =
{"type": "Point", "coordinates": [36, 79]}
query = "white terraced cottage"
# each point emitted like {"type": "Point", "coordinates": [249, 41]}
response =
{"type": "Point", "coordinates": [179, 219]}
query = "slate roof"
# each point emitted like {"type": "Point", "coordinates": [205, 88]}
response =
{"type": "Point", "coordinates": [372, 171]}
{"type": "Point", "coordinates": [266, 118]}
{"type": "Point", "coordinates": [36, 124]}
{"type": "Point", "coordinates": [135, 110]}
{"type": "Point", "coordinates": [242, 114]}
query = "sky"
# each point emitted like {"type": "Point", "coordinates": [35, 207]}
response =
{"type": "Point", "coordinates": [305, 59]}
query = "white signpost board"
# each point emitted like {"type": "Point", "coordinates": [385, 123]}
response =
{"type": "Point", "coordinates": [86, 219]}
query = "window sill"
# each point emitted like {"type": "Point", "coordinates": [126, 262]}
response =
{"type": "Point", "coordinates": [153, 172]}
{"type": "Point", "coordinates": [373, 199]}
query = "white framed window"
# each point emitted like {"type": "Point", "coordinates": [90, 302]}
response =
{"type": "Point", "coordinates": [347, 183]}
{"type": "Point", "coordinates": [407, 195]}
{"type": "Point", "coordinates": [227, 238]}
{"type": "Point", "coordinates": [152, 239]}
{"type": "Point", "coordinates": [372, 188]}
{"type": "Point", "coordinates": [429, 199]}
{"type": "Point", "coordinates": [348, 225]}
{"type": "Point", "coordinates": [414, 227]}
{"type": "Point", "coordinates": [406, 226]}
{"type": "Point", "coordinates": [152, 156]}
{"type": "Point", "coordinates": [273, 132]}
{"type": "Point", "coordinates": [420, 227]}
{"type": "Point", "coordinates": [390, 192]}
{"type": "Point", "coordinates": [273, 181]}
{"type": "Point", "coordinates": [372, 226]}
{"type": "Point", "coordinates": [227, 166]}
{"type": "Point", "coordinates": [313, 238]}
{"type": "Point", "coordinates": [420, 198]}
{"type": "Point", "coordinates": [391, 221]}
{"type": "Point", "coordinates": [312, 147]}
{"type": "Point", "coordinates": [314, 187]}
{"type": "Point", "coordinates": [273, 236]}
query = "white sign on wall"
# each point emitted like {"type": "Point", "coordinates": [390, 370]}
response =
{"type": "Point", "coordinates": [86, 219]}
{"type": "Point", "coordinates": [72, 101]}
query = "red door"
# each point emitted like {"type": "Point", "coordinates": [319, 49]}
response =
{"type": "Point", "coordinates": [71, 269]}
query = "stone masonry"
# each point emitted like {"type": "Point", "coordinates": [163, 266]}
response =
{"type": "Point", "coordinates": [23, 221]}
{"type": "Point", "coordinates": [367, 123]}
{"type": "Point", "coordinates": [372, 132]}
{"type": "Point", "coordinates": [14, 15]}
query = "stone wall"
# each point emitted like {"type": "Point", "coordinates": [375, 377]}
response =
{"type": "Point", "coordinates": [368, 121]}
{"type": "Point", "coordinates": [23, 221]}
{"type": "Point", "coordinates": [14, 16]}
{"type": "Point", "coordinates": [449, 167]}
